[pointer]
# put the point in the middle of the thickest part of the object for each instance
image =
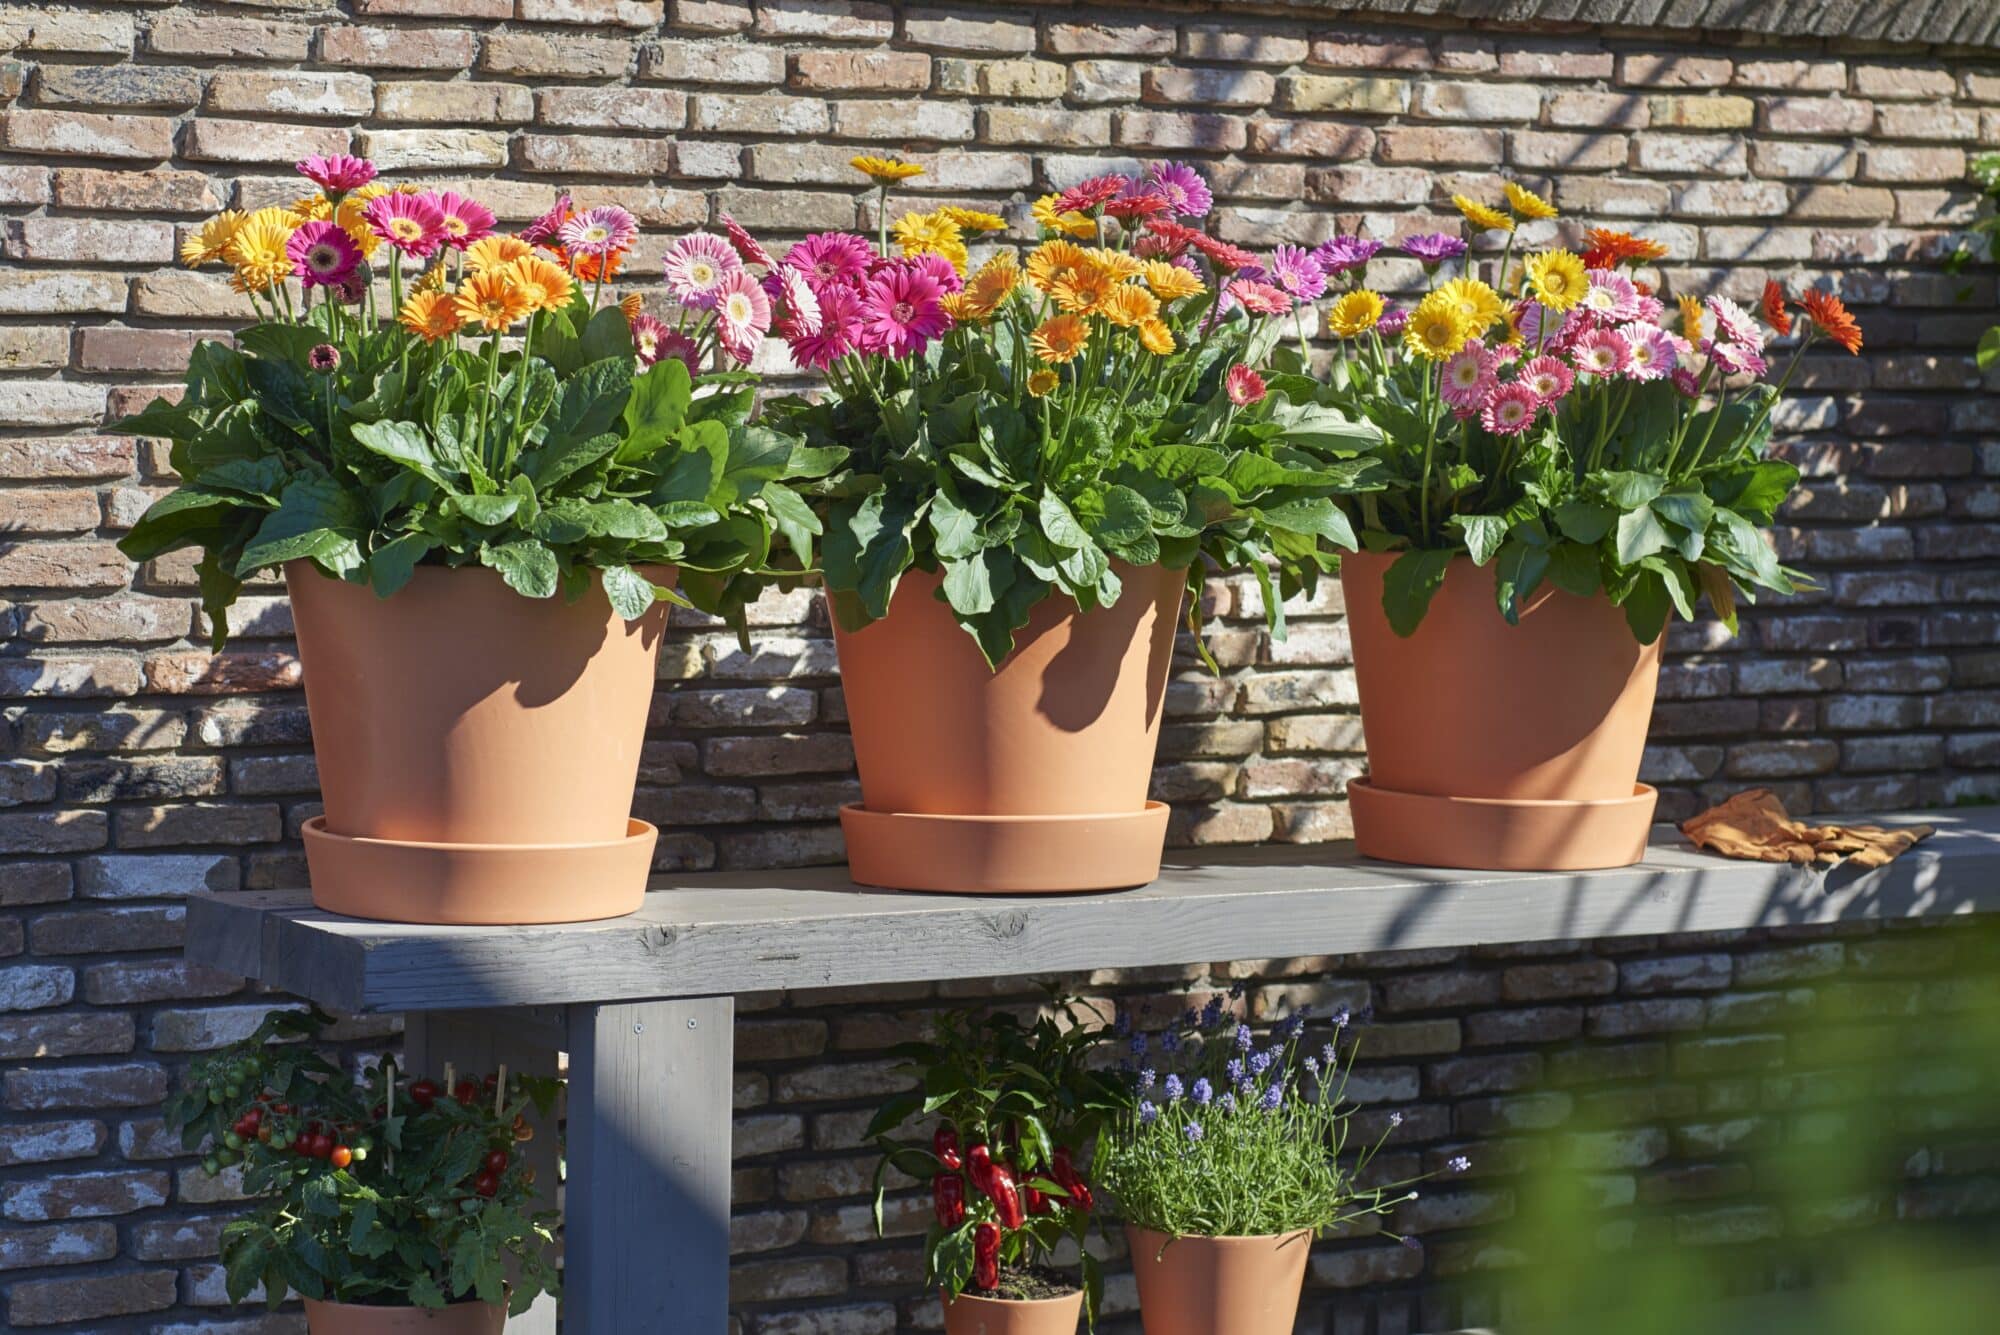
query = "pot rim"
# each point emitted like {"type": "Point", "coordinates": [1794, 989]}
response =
{"type": "Point", "coordinates": [399, 1307]}
{"type": "Point", "coordinates": [1265, 1238]}
{"type": "Point", "coordinates": [1641, 793]}
{"type": "Point", "coordinates": [1072, 1296]}
{"type": "Point", "coordinates": [635, 829]}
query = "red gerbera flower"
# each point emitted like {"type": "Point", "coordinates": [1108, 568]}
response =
{"type": "Point", "coordinates": [1087, 195]}
{"type": "Point", "coordinates": [1223, 255]}
{"type": "Point", "coordinates": [1608, 248]}
{"type": "Point", "coordinates": [1177, 236]}
{"type": "Point", "coordinates": [1773, 308]}
{"type": "Point", "coordinates": [1830, 316]}
{"type": "Point", "coordinates": [1141, 204]}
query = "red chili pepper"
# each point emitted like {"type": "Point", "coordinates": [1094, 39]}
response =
{"type": "Point", "coordinates": [1033, 1200]}
{"type": "Point", "coordinates": [948, 1195]}
{"type": "Point", "coordinates": [1006, 1196]}
{"type": "Point", "coordinates": [945, 1145]}
{"type": "Point", "coordinates": [986, 1257]}
{"type": "Point", "coordinates": [1071, 1181]}
{"type": "Point", "coordinates": [979, 1165]}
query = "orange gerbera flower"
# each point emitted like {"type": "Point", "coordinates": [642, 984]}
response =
{"type": "Point", "coordinates": [1773, 308]}
{"type": "Point", "coordinates": [1830, 316]}
{"type": "Point", "coordinates": [1608, 248]}
{"type": "Point", "coordinates": [430, 316]}
{"type": "Point", "coordinates": [493, 300]}
{"type": "Point", "coordinates": [631, 303]}
{"type": "Point", "coordinates": [590, 268]}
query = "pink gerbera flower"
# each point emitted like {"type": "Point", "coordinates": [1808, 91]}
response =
{"type": "Point", "coordinates": [1469, 379]}
{"type": "Point", "coordinates": [789, 289]}
{"type": "Point", "coordinates": [604, 230]}
{"type": "Point", "coordinates": [696, 265]}
{"type": "Point", "coordinates": [647, 331]}
{"type": "Point", "coordinates": [1653, 353]}
{"type": "Point", "coordinates": [742, 314]}
{"type": "Point", "coordinates": [1602, 352]}
{"type": "Point", "coordinates": [1611, 297]}
{"type": "Point", "coordinates": [1261, 298]}
{"type": "Point", "coordinates": [840, 313]}
{"type": "Point", "coordinates": [412, 224]}
{"type": "Point", "coordinates": [1298, 272]}
{"type": "Point", "coordinates": [1243, 385]}
{"type": "Point", "coordinates": [465, 220]}
{"type": "Point", "coordinates": [1087, 195]}
{"type": "Point", "coordinates": [1390, 326]}
{"type": "Point", "coordinates": [323, 255]}
{"type": "Point", "coordinates": [1733, 324]}
{"type": "Point", "coordinates": [542, 231]}
{"type": "Point", "coordinates": [1510, 411]}
{"type": "Point", "coordinates": [1182, 187]}
{"type": "Point", "coordinates": [1685, 382]}
{"type": "Point", "coordinates": [940, 268]}
{"type": "Point", "coordinates": [831, 257]}
{"type": "Point", "coordinates": [337, 173]}
{"type": "Point", "coordinates": [902, 312]}
{"type": "Point", "coordinates": [747, 245]}
{"type": "Point", "coordinates": [1735, 358]}
{"type": "Point", "coordinates": [1547, 377]}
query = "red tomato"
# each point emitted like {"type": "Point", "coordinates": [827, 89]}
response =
{"type": "Point", "coordinates": [340, 1156]}
{"type": "Point", "coordinates": [424, 1093]}
{"type": "Point", "coordinates": [485, 1185]}
{"type": "Point", "coordinates": [496, 1161]}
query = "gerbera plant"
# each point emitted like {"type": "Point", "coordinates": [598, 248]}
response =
{"type": "Point", "coordinates": [1022, 419]}
{"type": "Point", "coordinates": [422, 388]}
{"type": "Point", "coordinates": [1550, 415]}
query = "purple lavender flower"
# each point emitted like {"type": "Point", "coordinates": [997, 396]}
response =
{"type": "Point", "coordinates": [1203, 1092]}
{"type": "Point", "coordinates": [1235, 1069]}
{"type": "Point", "coordinates": [1327, 1055]}
{"type": "Point", "coordinates": [1343, 254]}
{"type": "Point", "coordinates": [1395, 1119]}
{"type": "Point", "coordinates": [1342, 1015]}
{"type": "Point", "coordinates": [1293, 1026]}
{"type": "Point", "coordinates": [1193, 1132]}
{"type": "Point", "coordinates": [1211, 1014]}
{"type": "Point", "coordinates": [1392, 322]}
{"type": "Point", "coordinates": [1273, 1096]}
{"type": "Point", "coordinates": [1298, 272]}
{"type": "Point", "coordinates": [1260, 1062]}
{"type": "Point", "coordinates": [1244, 1038]}
{"type": "Point", "coordinates": [1434, 248]}
{"type": "Point", "coordinates": [1122, 1026]}
{"type": "Point", "coordinates": [1227, 1102]}
{"type": "Point", "coordinates": [1458, 1163]}
{"type": "Point", "coordinates": [1183, 188]}
{"type": "Point", "coordinates": [1147, 1112]}
{"type": "Point", "coordinates": [1170, 1041]}
{"type": "Point", "coordinates": [1146, 1078]}
{"type": "Point", "coordinates": [1173, 1088]}
{"type": "Point", "coordinates": [1139, 1045]}
{"type": "Point", "coordinates": [1410, 1242]}
{"type": "Point", "coordinates": [1312, 1065]}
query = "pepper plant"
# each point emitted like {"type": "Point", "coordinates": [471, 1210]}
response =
{"type": "Point", "coordinates": [374, 1189]}
{"type": "Point", "coordinates": [1014, 1105]}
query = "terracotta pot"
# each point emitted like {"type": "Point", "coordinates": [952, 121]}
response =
{"type": "Point", "coordinates": [1209, 1286]}
{"type": "Point", "coordinates": [471, 740]}
{"type": "Point", "coordinates": [970, 1314]}
{"type": "Point", "coordinates": [1498, 746]}
{"type": "Point", "coordinates": [325, 1318]}
{"type": "Point", "coordinates": [1029, 778]}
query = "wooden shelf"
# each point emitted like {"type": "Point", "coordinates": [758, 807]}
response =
{"type": "Point", "coordinates": [721, 934]}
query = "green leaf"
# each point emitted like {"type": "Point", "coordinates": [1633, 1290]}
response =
{"type": "Point", "coordinates": [1409, 584]}
{"type": "Point", "coordinates": [1640, 534]}
{"type": "Point", "coordinates": [1482, 535]}
{"type": "Point", "coordinates": [954, 529]}
{"type": "Point", "coordinates": [1988, 351]}
{"type": "Point", "coordinates": [1584, 521]}
{"type": "Point", "coordinates": [487, 510]}
{"type": "Point", "coordinates": [317, 517]}
{"type": "Point", "coordinates": [159, 418]}
{"type": "Point", "coordinates": [391, 564]}
{"type": "Point", "coordinates": [1646, 606]}
{"type": "Point", "coordinates": [632, 594]}
{"type": "Point", "coordinates": [1059, 525]}
{"type": "Point", "coordinates": [405, 443]}
{"type": "Point", "coordinates": [794, 519]}
{"type": "Point", "coordinates": [1573, 568]}
{"type": "Point", "coordinates": [180, 518]}
{"type": "Point", "coordinates": [592, 400]}
{"type": "Point", "coordinates": [1517, 572]}
{"type": "Point", "coordinates": [656, 409]}
{"type": "Point", "coordinates": [528, 567]}
{"type": "Point", "coordinates": [1628, 490]}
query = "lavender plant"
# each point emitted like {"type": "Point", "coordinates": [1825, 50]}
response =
{"type": "Point", "coordinates": [1227, 1138]}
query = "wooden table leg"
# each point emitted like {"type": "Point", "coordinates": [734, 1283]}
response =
{"type": "Point", "coordinates": [527, 1039]}
{"type": "Point", "coordinates": [646, 1232]}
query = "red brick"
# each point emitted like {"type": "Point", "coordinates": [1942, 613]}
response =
{"type": "Point", "coordinates": [86, 135]}
{"type": "Point", "coordinates": [864, 70]}
{"type": "Point", "coordinates": [212, 37]}
{"type": "Point", "coordinates": [390, 48]}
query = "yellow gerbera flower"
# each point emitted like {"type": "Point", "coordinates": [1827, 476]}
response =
{"type": "Point", "coordinates": [1156, 338]}
{"type": "Point", "coordinates": [1170, 282]}
{"type": "Point", "coordinates": [992, 285]}
{"type": "Point", "coordinates": [973, 220]}
{"type": "Point", "coordinates": [430, 316]}
{"type": "Point", "coordinates": [355, 223]}
{"type": "Point", "coordinates": [1436, 329]}
{"type": "Point", "coordinates": [1355, 313]}
{"type": "Point", "coordinates": [1482, 217]}
{"type": "Point", "coordinates": [546, 286]}
{"type": "Point", "coordinates": [495, 252]}
{"type": "Point", "coordinates": [257, 250]}
{"type": "Point", "coordinates": [1082, 291]}
{"type": "Point", "coordinates": [1052, 259]}
{"type": "Point", "coordinates": [1558, 278]}
{"type": "Point", "coordinates": [884, 171]}
{"type": "Point", "coordinates": [1076, 225]}
{"type": "Point", "coordinates": [208, 241]}
{"type": "Point", "coordinates": [1477, 303]}
{"type": "Point", "coordinates": [311, 208]}
{"type": "Point", "coordinates": [932, 234]}
{"type": "Point", "coordinates": [1527, 203]}
{"type": "Point", "coordinates": [1690, 317]}
{"type": "Point", "coordinates": [492, 300]}
{"type": "Point", "coordinates": [1130, 305]}
{"type": "Point", "coordinates": [1042, 381]}
{"type": "Point", "coordinates": [434, 279]}
{"type": "Point", "coordinates": [1059, 339]}
{"type": "Point", "coordinates": [1117, 263]}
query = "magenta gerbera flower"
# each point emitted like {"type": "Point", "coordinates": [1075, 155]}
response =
{"type": "Point", "coordinates": [322, 254]}
{"type": "Point", "coordinates": [742, 314]}
{"type": "Point", "coordinates": [1298, 272]}
{"type": "Point", "coordinates": [696, 265]}
{"type": "Point", "coordinates": [1391, 324]}
{"type": "Point", "coordinates": [1548, 378]}
{"type": "Point", "coordinates": [902, 312]}
{"type": "Point", "coordinates": [1433, 248]}
{"type": "Point", "coordinates": [747, 245]}
{"type": "Point", "coordinates": [647, 330]}
{"type": "Point", "coordinates": [1510, 410]}
{"type": "Point", "coordinates": [1343, 254]}
{"type": "Point", "coordinates": [1602, 352]}
{"type": "Point", "coordinates": [1183, 188]}
{"type": "Point", "coordinates": [831, 258]}
{"type": "Point", "coordinates": [412, 224]}
{"type": "Point", "coordinates": [938, 267]}
{"type": "Point", "coordinates": [1140, 201]}
{"type": "Point", "coordinates": [1735, 358]}
{"type": "Point", "coordinates": [1087, 195]}
{"type": "Point", "coordinates": [604, 230]}
{"type": "Point", "coordinates": [840, 315]}
{"type": "Point", "coordinates": [1685, 383]}
{"type": "Point", "coordinates": [790, 290]}
{"type": "Point", "coordinates": [465, 220]}
{"type": "Point", "coordinates": [542, 231]}
{"type": "Point", "coordinates": [336, 173]}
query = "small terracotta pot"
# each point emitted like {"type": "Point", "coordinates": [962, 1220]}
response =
{"type": "Point", "coordinates": [1218, 1286]}
{"type": "Point", "coordinates": [460, 727]}
{"type": "Point", "coordinates": [1029, 778]}
{"type": "Point", "coordinates": [1494, 746]}
{"type": "Point", "coordinates": [970, 1314]}
{"type": "Point", "coordinates": [328, 1318]}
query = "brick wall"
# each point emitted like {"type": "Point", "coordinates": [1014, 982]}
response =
{"type": "Point", "coordinates": [135, 766]}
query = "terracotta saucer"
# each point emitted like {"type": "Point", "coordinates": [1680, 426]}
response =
{"type": "Point", "coordinates": [1004, 855]}
{"type": "Point", "coordinates": [1499, 834]}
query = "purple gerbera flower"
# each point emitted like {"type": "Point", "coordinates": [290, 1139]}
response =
{"type": "Point", "coordinates": [1390, 326]}
{"type": "Point", "coordinates": [1298, 272]}
{"type": "Point", "coordinates": [1345, 253]}
{"type": "Point", "coordinates": [1434, 248]}
{"type": "Point", "coordinates": [1183, 188]}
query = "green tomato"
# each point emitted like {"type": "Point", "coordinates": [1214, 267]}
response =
{"type": "Point", "coordinates": [436, 1211]}
{"type": "Point", "coordinates": [360, 1152]}
{"type": "Point", "coordinates": [470, 1205]}
{"type": "Point", "coordinates": [227, 1158]}
{"type": "Point", "coordinates": [232, 1140]}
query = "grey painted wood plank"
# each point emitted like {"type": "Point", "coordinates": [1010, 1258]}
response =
{"type": "Point", "coordinates": [646, 1244]}
{"type": "Point", "coordinates": [718, 934]}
